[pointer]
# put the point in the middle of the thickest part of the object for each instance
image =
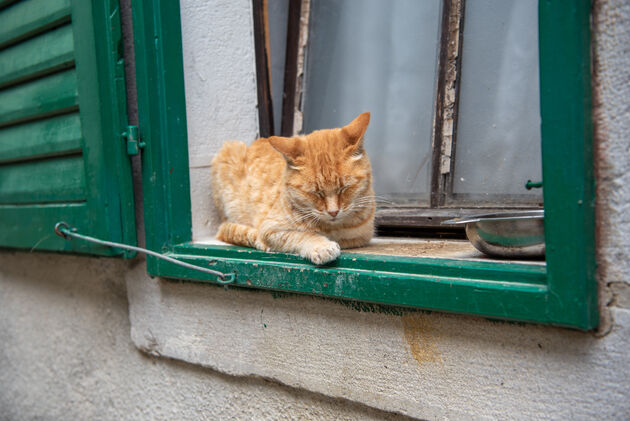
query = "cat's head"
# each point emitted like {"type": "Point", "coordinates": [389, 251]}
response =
{"type": "Point", "coordinates": [328, 171]}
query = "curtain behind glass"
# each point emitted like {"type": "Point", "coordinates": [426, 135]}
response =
{"type": "Point", "coordinates": [377, 56]}
{"type": "Point", "coordinates": [498, 131]}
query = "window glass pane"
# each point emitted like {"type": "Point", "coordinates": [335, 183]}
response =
{"type": "Point", "coordinates": [377, 56]}
{"type": "Point", "coordinates": [498, 132]}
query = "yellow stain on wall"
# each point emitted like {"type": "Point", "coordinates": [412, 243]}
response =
{"type": "Point", "coordinates": [421, 337]}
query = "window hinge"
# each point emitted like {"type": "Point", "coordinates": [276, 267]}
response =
{"type": "Point", "coordinates": [134, 144]}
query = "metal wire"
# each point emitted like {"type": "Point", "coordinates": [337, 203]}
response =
{"type": "Point", "coordinates": [64, 230]}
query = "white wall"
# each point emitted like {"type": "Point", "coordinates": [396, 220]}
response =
{"type": "Point", "coordinates": [66, 351]}
{"type": "Point", "coordinates": [612, 132]}
{"type": "Point", "coordinates": [66, 354]}
{"type": "Point", "coordinates": [221, 98]}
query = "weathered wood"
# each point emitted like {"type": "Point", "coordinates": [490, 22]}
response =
{"type": "Point", "coordinates": [290, 72]}
{"type": "Point", "coordinates": [265, 107]}
{"type": "Point", "coordinates": [446, 101]}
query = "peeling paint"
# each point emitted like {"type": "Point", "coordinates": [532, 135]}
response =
{"type": "Point", "coordinates": [298, 116]}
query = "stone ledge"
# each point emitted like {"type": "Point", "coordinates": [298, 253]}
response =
{"type": "Point", "coordinates": [426, 365]}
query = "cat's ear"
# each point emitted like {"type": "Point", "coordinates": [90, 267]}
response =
{"type": "Point", "coordinates": [290, 147]}
{"type": "Point", "coordinates": [355, 130]}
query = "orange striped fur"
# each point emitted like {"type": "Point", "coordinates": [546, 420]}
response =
{"type": "Point", "coordinates": [309, 195]}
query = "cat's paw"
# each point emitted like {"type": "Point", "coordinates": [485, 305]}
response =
{"type": "Point", "coordinates": [323, 253]}
{"type": "Point", "coordinates": [260, 245]}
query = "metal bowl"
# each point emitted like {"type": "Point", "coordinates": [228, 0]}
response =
{"type": "Point", "coordinates": [506, 234]}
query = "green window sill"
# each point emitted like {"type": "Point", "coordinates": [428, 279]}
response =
{"type": "Point", "coordinates": [495, 289]}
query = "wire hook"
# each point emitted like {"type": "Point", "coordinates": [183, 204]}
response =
{"type": "Point", "coordinates": [67, 232]}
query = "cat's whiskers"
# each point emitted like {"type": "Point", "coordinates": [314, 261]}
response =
{"type": "Point", "coordinates": [296, 219]}
{"type": "Point", "coordinates": [358, 207]}
{"type": "Point", "coordinates": [311, 218]}
{"type": "Point", "coordinates": [377, 199]}
{"type": "Point", "coordinates": [307, 217]}
{"type": "Point", "coordinates": [299, 213]}
{"type": "Point", "coordinates": [366, 203]}
{"type": "Point", "coordinates": [375, 196]}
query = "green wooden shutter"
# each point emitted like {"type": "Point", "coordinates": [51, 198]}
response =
{"type": "Point", "coordinates": [62, 115]}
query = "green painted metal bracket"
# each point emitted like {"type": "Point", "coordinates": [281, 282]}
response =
{"type": "Point", "coordinates": [134, 144]}
{"type": "Point", "coordinates": [533, 184]}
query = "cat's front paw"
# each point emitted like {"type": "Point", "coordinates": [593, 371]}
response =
{"type": "Point", "coordinates": [321, 254]}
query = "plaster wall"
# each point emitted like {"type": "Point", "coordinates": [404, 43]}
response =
{"type": "Point", "coordinates": [611, 100]}
{"type": "Point", "coordinates": [66, 354]}
{"type": "Point", "coordinates": [221, 98]}
{"type": "Point", "coordinates": [66, 351]}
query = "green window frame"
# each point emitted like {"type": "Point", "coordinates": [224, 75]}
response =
{"type": "Point", "coordinates": [62, 114]}
{"type": "Point", "coordinates": [563, 292]}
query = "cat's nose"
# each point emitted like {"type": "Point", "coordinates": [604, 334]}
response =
{"type": "Point", "coordinates": [333, 213]}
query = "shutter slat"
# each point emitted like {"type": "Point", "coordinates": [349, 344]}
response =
{"type": "Point", "coordinates": [43, 181]}
{"type": "Point", "coordinates": [53, 136]}
{"type": "Point", "coordinates": [29, 226]}
{"type": "Point", "coordinates": [30, 17]}
{"type": "Point", "coordinates": [43, 54]}
{"type": "Point", "coordinates": [41, 97]}
{"type": "Point", "coordinates": [5, 3]}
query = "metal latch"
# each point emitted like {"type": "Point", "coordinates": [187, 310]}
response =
{"type": "Point", "coordinates": [533, 184]}
{"type": "Point", "coordinates": [134, 144]}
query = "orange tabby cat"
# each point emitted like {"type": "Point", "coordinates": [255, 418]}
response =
{"type": "Point", "coordinates": [310, 195]}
